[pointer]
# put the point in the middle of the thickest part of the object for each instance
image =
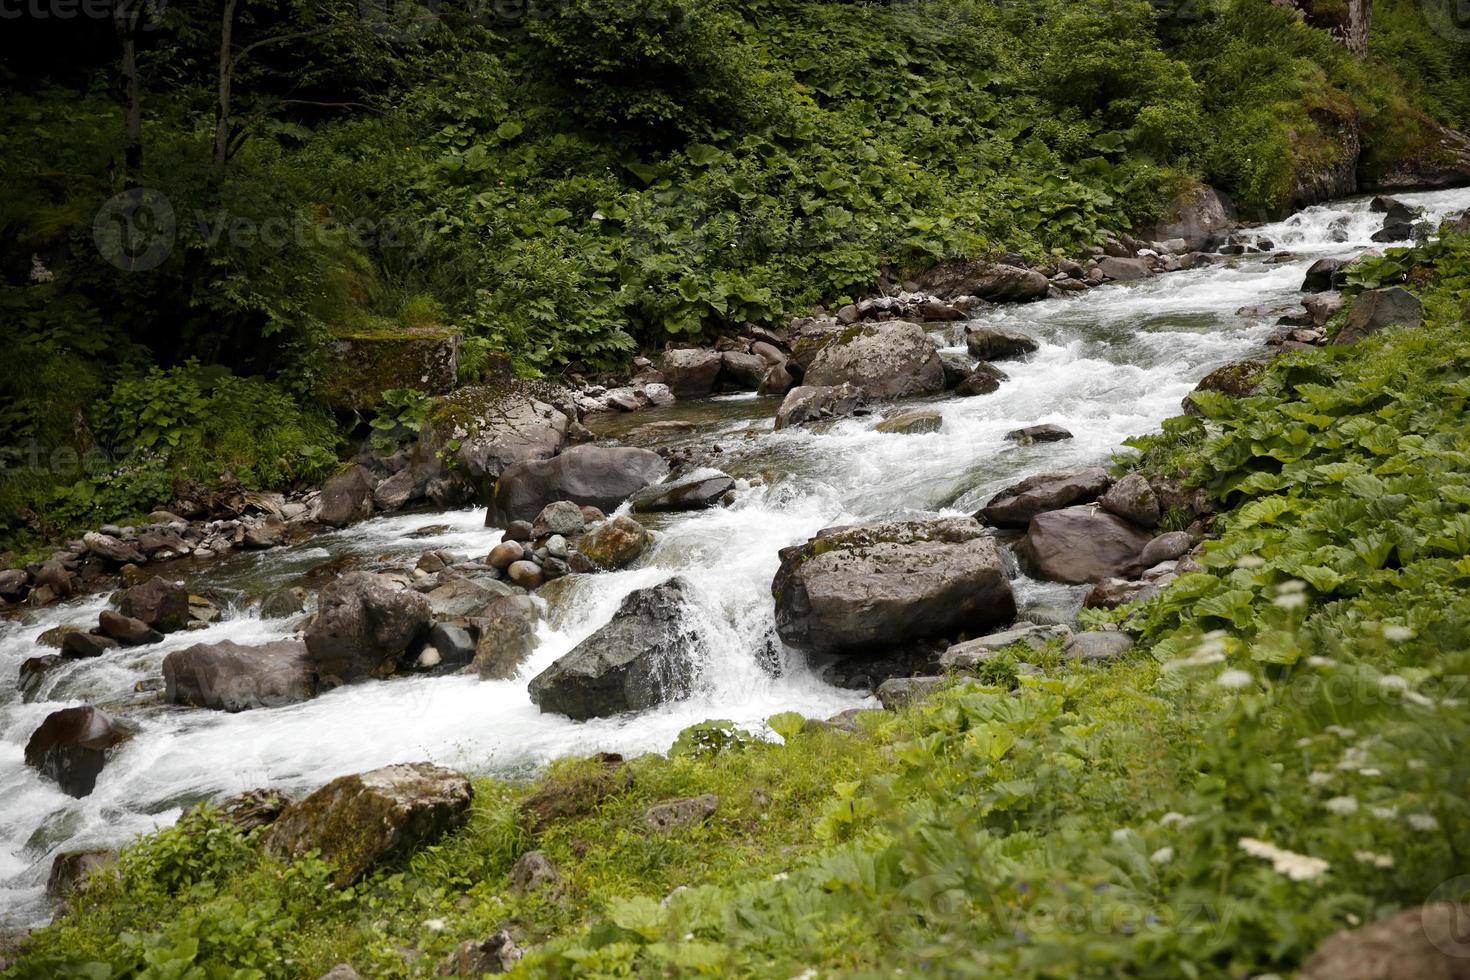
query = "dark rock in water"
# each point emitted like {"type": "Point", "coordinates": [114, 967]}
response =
{"type": "Point", "coordinates": [690, 373]}
{"type": "Point", "coordinates": [645, 656]}
{"type": "Point", "coordinates": [33, 673]}
{"type": "Point", "coordinates": [613, 544]}
{"type": "Point", "coordinates": [362, 627]}
{"type": "Point", "coordinates": [983, 379]}
{"type": "Point", "coordinates": [1323, 275]}
{"type": "Point", "coordinates": [1132, 499]}
{"type": "Point", "coordinates": [957, 368]}
{"type": "Point", "coordinates": [861, 590]}
{"type": "Point", "coordinates": [464, 598]}
{"type": "Point", "coordinates": [591, 475]}
{"type": "Point", "coordinates": [1016, 505]}
{"type": "Point", "coordinates": [126, 630]}
{"type": "Point", "coordinates": [227, 676]}
{"type": "Point", "coordinates": [284, 603]}
{"type": "Point", "coordinates": [998, 344]}
{"type": "Point", "coordinates": [740, 371]}
{"type": "Point", "coordinates": [895, 359]}
{"type": "Point", "coordinates": [1394, 231]}
{"type": "Point", "coordinates": [162, 604]}
{"type": "Point", "coordinates": [72, 745]}
{"type": "Point", "coordinates": [812, 403]}
{"type": "Point", "coordinates": [453, 644]}
{"type": "Point", "coordinates": [1426, 942]}
{"type": "Point", "coordinates": [70, 869]}
{"type": "Point", "coordinates": [346, 498]}
{"type": "Point", "coordinates": [81, 646]}
{"type": "Point", "coordinates": [1377, 309]}
{"type": "Point", "coordinates": [356, 822]}
{"type": "Point", "coordinates": [1391, 206]}
{"type": "Point", "coordinates": [1079, 545]}
{"type": "Point", "coordinates": [912, 423]}
{"type": "Point", "coordinates": [477, 957]}
{"type": "Point", "coordinates": [507, 637]}
{"type": "Point", "coordinates": [694, 494]}
{"type": "Point", "coordinates": [1038, 433]}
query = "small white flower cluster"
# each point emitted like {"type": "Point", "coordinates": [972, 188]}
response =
{"type": "Point", "coordinates": [1210, 651]}
{"type": "Point", "coordinates": [1291, 595]}
{"type": "Point", "coordinates": [1397, 634]}
{"type": "Point", "coordinates": [1340, 731]}
{"type": "Point", "coordinates": [1234, 679]}
{"type": "Point", "coordinates": [1342, 805]}
{"type": "Point", "coordinates": [1423, 822]}
{"type": "Point", "coordinates": [1377, 860]}
{"type": "Point", "coordinates": [1171, 818]}
{"type": "Point", "coordinates": [1318, 778]}
{"type": "Point", "coordinates": [1162, 856]}
{"type": "Point", "coordinates": [1297, 867]}
{"type": "Point", "coordinates": [1250, 562]}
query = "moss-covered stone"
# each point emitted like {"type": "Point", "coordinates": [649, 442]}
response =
{"type": "Point", "coordinates": [367, 363]}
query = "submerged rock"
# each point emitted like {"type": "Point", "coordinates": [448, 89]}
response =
{"type": "Point", "coordinates": [357, 822]}
{"type": "Point", "coordinates": [998, 343]}
{"type": "Point", "coordinates": [812, 403]}
{"type": "Point", "coordinates": [912, 423]}
{"type": "Point", "coordinates": [696, 493]}
{"type": "Point", "coordinates": [162, 604]}
{"type": "Point", "coordinates": [1038, 433]}
{"type": "Point", "coordinates": [645, 656]}
{"type": "Point", "coordinates": [614, 544]}
{"type": "Point", "coordinates": [864, 589]}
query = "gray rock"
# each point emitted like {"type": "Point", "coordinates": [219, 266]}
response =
{"type": "Point", "coordinates": [284, 603]}
{"type": "Point", "coordinates": [1377, 309]}
{"type": "Point", "coordinates": [896, 692]}
{"type": "Point", "coordinates": [126, 630]}
{"type": "Point", "coordinates": [527, 574]}
{"type": "Point", "coordinates": [1111, 593]}
{"type": "Point", "coordinates": [645, 656]}
{"type": "Point", "coordinates": [559, 517]}
{"type": "Point", "coordinates": [1323, 276]}
{"type": "Point", "coordinates": [1124, 270]}
{"type": "Point", "coordinates": [866, 589]}
{"type": "Point", "coordinates": [998, 343]}
{"type": "Point", "coordinates": [486, 429]}
{"type": "Point", "coordinates": [699, 493]}
{"type": "Point", "coordinates": [1016, 505]}
{"type": "Point", "coordinates": [79, 646]}
{"type": "Point", "coordinates": [453, 644]}
{"type": "Point", "coordinates": [671, 815]}
{"type": "Point", "coordinates": [475, 958]}
{"type": "Point", "coordinates": [983, 379]}
{"type": "Point", "coordinates": [690, 373]}
{"type": "Point", "coordinates": [1038, 433]}
{"type": "Point", "coordinates": [227, 676]}
{"type": "Point", "coordinates": [740, 371]}
{"type": "Point", "coordinates": [812, 403]}
{"type": "Point", "coordinates": [1166, 547]}
{"type": "Point", "coordinates": [1100, 645]}
{"type": "Point", "coordinates": [586, 475]}
{"type": "Point", "coordinates": [507, 637]}
{"type": "Point", "coordinates": [14, 584]}
{"type": "Point", "coordinates": [1199, 218]}
{"type": "Point", "coordinates": [346, 498]}
{"type": "Point", "coordinates": [72, 745]}
{"type": "Point", "coordinates": [356, 822]}
{"type": "Point", "coordinates": [1132, 499]}
{"type": "Point", "coordinates": [398, 490]}
{"type": "Point", "coordinates": [362, 627]}
{"type": "Point", "coordinates": [162, 604]}
{"type": "Point", "coordinates": [464, 598]}
{"type": "Point", "coordinates": [994, 282]}
{"type": "Point", "coordinates": [33, 671]}
{"type": "Point", "coordinates": [613, 544]}
{"type": "Point", "coordinates": [112, 549]}
{"type": "Point", "coordinates": [972, 652]}
{"type": "Point", "coordinates": [894, 359]}
{"type": "Point", "coordinates": [1425, 942]}
{"type": "Point", "coordinates": [912, 423]}
{"type": "Point", "coordinates": [1080, 544]}
{"type": "Point", "coordinates": [534, 872]}
{"type": "Point", "coordinates": [342, 971]}
{"type": "Point", "coordinates": [957, 368]}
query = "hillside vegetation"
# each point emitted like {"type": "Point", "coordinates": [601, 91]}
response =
{"type": "Point", "coordinates": [572, 183]}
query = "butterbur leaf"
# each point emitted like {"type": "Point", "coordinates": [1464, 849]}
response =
{"type": "Point", "coordinates": [640, 915]}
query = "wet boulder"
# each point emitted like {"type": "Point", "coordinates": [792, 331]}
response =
{"type": "Point", "coordinates": [559, 517]}
{"type": "Point", "coordinates": [72, 745]}
{"type": "Point", "coordinates": [1080, 544]}
{"type": "Point", "coordinates": [1166, 547]}
{"type": "Point", "coordinates": [1123, 270]}
{"type": "Point", "coordinates": [740, 371]}
{"type": "Point", "coordinates": [813, 403]}
{"type": "Point", "coordinates": [983, 379]}
{"type": "Point", "coordinates": [1323, 276]}
{"type": "Point", "coordinates": [228, 676]}
{"type": "Point", "coordinates": [645, 656]}
{"type": "Point", "coordinates": [112, 549]}
{"type": "Point", "coordinates": [82, 646]}
{"type": "Point", "coordinates": [690, 372]}
{"type": "Point", "coordinates": [33, 671]}
{"type": "Point", "coordinates": [893, 359]}
{"type": "Point", "coordinates": [1238, 380]}
{"type": "Point", "coordinates": [861, 590]}
{"type": "Point", "coordinates": [507, 637]}
{"type": "Point", "coordinates": [998, 343]}
{"type": "Point", "coordinates": [357, 822]}
{"type": "Point", "coordinates": [483, 430]}
{"type": "Point", "coordinates": [1132, 499]}
{"type": "Point", "coordinates": [162, 604]}
{"type": "Point", "coordinates": [1201, 217]}
{"type": "Point", "coordinates": [464, 598]}
{"type": "Point", "coordinates": [346, 498]}
{"type": "Point", "coordinates": [363, 626]}
{"type": "Point", "coordinates": [994, 282]}
{"type": "Point", "coordinates": [1377, 309]}
{"type": "Point", "coordinates": [1016, 505]}
{"type": "Point", "coordinates": [126, 630]}
{"type": "Point", "coordinates": [697, 492]}
{"type": "Point", "coordinates": [912, 423]}
{"type": "Point", "coordinates": [586, 475]}
{"type": "Point", "coordinates": [14, 584]}
{"type": "Point", "coordinates": [1038, 433]}
{"type": "Point", "coordinates": [613, 544]}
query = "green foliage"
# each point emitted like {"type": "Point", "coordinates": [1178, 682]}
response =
{"type": "Point", "coordinates": [403, 414]}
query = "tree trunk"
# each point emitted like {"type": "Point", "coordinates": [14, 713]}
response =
{"type": "Point", "coordinates": [125, 20]}
{"type": "Point", "coordinates": [226, 71]}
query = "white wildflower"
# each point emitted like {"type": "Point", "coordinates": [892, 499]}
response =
{"type": "Point", "coordinates": [1416, 763]}
{"type": "Point", "coordinates": [1370, 772]}
{"type": "Point", "coordinates": [434, 925]}
{"type": "Point", "coordinates": [1234, 679]}
{"type": "Point", "coordinates": [1319, 662]}
{"type": "Point", "coordinates": [1297, 867]}
{"type": "Point", "coordinates": [807, 974]}
{"type": "Point", "coordinates": [780, 876]}
{"type": "Point", "coordinates": [1393, 682]}
{"type": "Point", "coordinates": [1341, 732]}
{"type": "Point", "coordinates": [1397, 634]}
{"type": "Point", "coordinates": [1291, 600]}
{"type": "Point", "coordinates": [1342, 805]}
{"type": "Point", "coordinates": [1303, 742]}
{"type": "Point", "coordinates": [1171, 818]}
{"type": "Point", "coordinates": [1385, 812]}
{"type": "Point", "coordinates": [1377, 860]}
{"type": "Point", "coordinates": [1423, 822]}
{"type": "Point", "coordinates": [1414, 697]}
{"type": "Point", "coordinates": [1250, 561]}
{"type": "Point", "coordinates": [1121, 835]}
{"type": "Point", "coordinates": [1196, 659]}
{"type": "Point", "coordinates": [1291, 586]}
{"type": "Point", "coordinates": [1319, 778]}
{"type": "Point", "coordinates": [1162, 856]}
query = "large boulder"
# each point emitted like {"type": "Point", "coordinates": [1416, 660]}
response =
{"type": "Point", "coordinates": [699, 492]}
{"type": "Point", "coordinates": [866, 589]}
{"type": "Point", "coordinates": [1123, 269]}
{"type": "Point", "coordinates": [465, 598]}
{"type": "Point", "coordinates": [1330, 170]}
{"type": "Point", "coordinates": [1080, 544]}
{"type": "Point", "coordinates": [995, 282]}
{"type": "Point", "coordinates": [1323, 275]}
{"type": "Point", "coordinates": [645, 656]}
{"type": "Point", "coordinates": [984, 379]}
{"type": "Point", "coordinates": [1132, 499]}
{"type": "Point", "coordinates": [162, 604]}
{"type": "Point", "coordinates": [1016, 505]}
{"type": "Point", "coordinates": [690, 372]}
{"type": "Point", "coordinates": [1426, 942]}
{"type": "Point", "coordinates": [227, 676]}
{"type": "Point", "coordinates": [1240, 379]}
{"type": "Point", "coordinates": [740, 371]}
{"type": "Point", "coordinates": [813, 403]}
{"type": "Point", "coordinates": [507, 637]}
{"type": "Point", "coordinates": [126, 630]}
{"type": "Point", "coordinates": [111, 549]}
{"type": "Point", "coordinates": [587, 475]}
{"type": "Point", "coordinates": [358, 821]}
{"type": "Point", "coordinates": [614, 543]}
{"type": "Point", "coordinates": [362, 366]}
{"type": "Point", "coordinates": [363, 625]}
{"type": "Point", "coordinates": [485, 429]}
{"type": "Point", "coordinates": [72, 745]}
{"type": "Point", "coordinates": [893, 359]}
{"type": "Point", "coordinates": [346, 498]}
{"type": "Point", "coordinates": [998, 343]}
{"type": "Point", "coordinates": [1377, 309]}
{"type": "Point", "coordinates": [1446, 161]}
{"type": "Point", "coordinates": [1201, 216]}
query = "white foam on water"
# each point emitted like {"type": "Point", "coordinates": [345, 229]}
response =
{"type": "Point", "coordinates": [1113, 362]}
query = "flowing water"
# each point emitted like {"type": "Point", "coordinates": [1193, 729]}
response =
{"type": "Point", "coordinates": [1114, 362]}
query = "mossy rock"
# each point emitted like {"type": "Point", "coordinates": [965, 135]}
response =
{"type": "Point", "coordinates": [364, 364]}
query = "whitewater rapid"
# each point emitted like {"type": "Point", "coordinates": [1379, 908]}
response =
{"type": "Point", "coordinates": [1113, 363]}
